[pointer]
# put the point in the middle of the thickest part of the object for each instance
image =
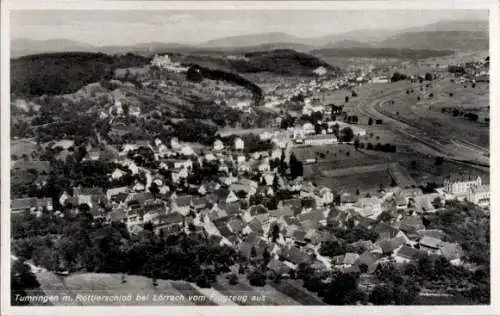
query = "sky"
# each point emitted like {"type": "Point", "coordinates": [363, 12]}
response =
{"type": "Point", "coordinates": [191, 27]}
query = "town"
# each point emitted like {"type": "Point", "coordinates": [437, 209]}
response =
{"type": "Point", "coordinates": [328, 191]}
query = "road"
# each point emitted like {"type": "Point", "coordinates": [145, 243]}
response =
{"type": "Point", "coordinates": [455, 150]}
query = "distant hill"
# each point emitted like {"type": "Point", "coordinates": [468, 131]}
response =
{"type": "Point", "coordinates": [375, 52]}
{"type": "Point", "coordinates": [253, 40]}
{"type": "Point", "coordinates": [439, 40]}
{"type": "Point", "coordinates": [61, 73]}
{"type": "Point", "coordinates": [452, 25]}
{"type": "Point", "coordinates": [23, 46]}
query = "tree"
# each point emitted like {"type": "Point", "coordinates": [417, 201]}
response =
{"type": "Point", "coordinates": [154, 189]}
{"type": "Point", "coordinates": [381, 295]}
{"type": "Point", "coordinates": [342, 290]}
{"type": "Point", "coordinates": [275, 232]}
{"type": "Point", "coordinates": [346, 134]}
{"type": "Point", "coordinates": [428, 76]}
{"type": "Point", "coordinates": [370, 121]}
{"type": "Point", "coordinates": [439, 161]}
{"type": "Point", "coordinates": [354, 94]}
{"type": "Point", "coordinates": [346, 99]}
{"type": "Point", "coordinates": [296, 168]}
{"type": "Point", "coordinates": [233, 279]}
{"type": "Point", "coordinates": [257, 278]}
{"type": "Point", "coordinates": [356, 143]}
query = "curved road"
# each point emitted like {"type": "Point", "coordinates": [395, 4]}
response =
{"type": "Point", "coordinates": [427, 145]}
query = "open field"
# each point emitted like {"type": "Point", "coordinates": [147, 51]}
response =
{"type": "Point", "coordinates": [333, 154]}
{"type": "Point", "coordinates": [167, 292]}
{"type": "Point", "coordinates": [293, 289]}
{"type": "Point", "coordinates": [364, 182]}
{"type": "Point", "coordinates": [22, 147]}
{"type": "Point", "coordinates": [426, 113]}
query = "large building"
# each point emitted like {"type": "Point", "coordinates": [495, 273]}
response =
{"type": "Point", "coordinates": [318, 140]}
{"type": "Point", "coordinates": [460, 185]}
{"type": "Point", "coordinates": [479, 195]}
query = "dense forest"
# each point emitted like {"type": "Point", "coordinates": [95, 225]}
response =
{"type": "Point", "coordinates": [61, 73]}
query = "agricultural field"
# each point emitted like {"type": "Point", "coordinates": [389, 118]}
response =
{"type": "Point", "coordinates": [427, 113]}
{"type": "Point", "coordinates": [105, 284]}
{"type": "Point", "coordinates": [18, 148]}
{"type": "Point", "coordinates": [294, 289]}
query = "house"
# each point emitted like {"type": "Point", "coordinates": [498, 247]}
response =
{"type": "Point", "coordinates": [299, 237]}
{"type": "Point", "coordinates": [42, 167]}
{"type": "Point", "coordinates": [368, 207]}
{"type": "Point", "coordinates": [326, 195]}
{"type": "Point", "coordinates": [316, 217]}
{"type": "Point", "coordinates": [268, 178]}
{"type": "Point", "coordinates": [30, 204]}
{"type": "Point", "coordinates": [479, 195]}
{"type": "Point", "coordinates": [308, 129]}
{"type": "Point", "coordinates": [218, 145]}
{"type": "Point", "coordinates": [451, 251]}
{"type": "Point", "coordinates": [90, 196]}
{"type": "Point", "coordinates": [430, 244]}
{"type": "Point", "coordinates": [167, 221]}
{"type": "Point", "coordinates": [117, 216]}
{"type": "Point", "coordinates": [320, 140]}
{"type": "Point", "coordinates": [200, 203]}
{"type": "Point", "coordinates": [182, 204]}
{"type": "Point", "coordinates": [111, 193]}
{"type": "Point", "coordinates": [368, 260]}
{"type": "Point", "coordinates": [388, 246]}
{"type": "Point", "coordinates": [293, 256]}
{"type": "Point", "coordinates": [177, 175]}
{"type": "Point", "coordinates": [278, 267]}
{"type": "Point", "coordinates": [186, 150]}
{"type": "Point", "coordinates": [244, 167]}
{"type": "Point", "coordinates": [265, 136]}
{"type": "Point", "coordinates": [385, 231]}
{"type": "Point", "coordinates": [258, 212]}
{"type": "Point", "coordinates": [459, 185]}
{"type": "Point", "coordinates": [348, 199]}
{"type": "Point", "coordinates": [239, 144]}
{"type": "Point", "coordinates": [117, 174]}
{"type": "Point", "coordinates": [407, 254]}
{"type": "Point", "coordinates": [411, 224]}
{"type": "Point", "coordinates": [349, 259]}
{"type": "Point", "coordinates": [280, 212]}
{"type": "Point", "coordinates": [232, 208]}
{"type": "Point", "coordinates": [264, 166]}
{"type": "Point", "coordinates": [235, 226]}
{"type": "Point", "coordinates": [295, 205]}
{"type": "Point", "coordinates": [231, 197]}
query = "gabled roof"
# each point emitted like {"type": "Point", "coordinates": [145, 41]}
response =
{"type": "Point", "coordinates": [257, 210]}
{"type": "Point", "coordinates": [299, 235]}
{"type": "Point", "coordinates": [350, 258]}
{"type": "Point", "coordinates": [385, 230]}
{"type": "Point", "coordinates": [171, 218]}
{"type": "Point", "coordinates": [314, 216]}
{"type": "Point", "coordinates": [183, 200]}
{"type": "Point", "coordinates": [281, 211]}
{"type": "Point", "coordinates": [87, 191]}
{"type": "Point", "coordinates": [430, 242]}
{"type": "Point", "coordinates": [294, 255]}
{"type": "Point", "coordinates": [236, 225]}
{"type": "Point", "coordinates": [369, 260]}
{"type": "Point", "coordinates": [450, 251]}
{"type": "Point", "coordinates": [389, 245]}
{"type": "Point", "coordinates": [295, 204]}
{"type": "Point", "coordinates": [408, 253]}
{"type": "Point", "coordinates": [232, 208]}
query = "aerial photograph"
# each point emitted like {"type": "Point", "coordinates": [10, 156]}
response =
{"type": "Point", "coordinates": [249, 157]}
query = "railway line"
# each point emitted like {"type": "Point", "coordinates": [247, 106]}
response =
{"type": "Point", "coordinates": [437, 147]}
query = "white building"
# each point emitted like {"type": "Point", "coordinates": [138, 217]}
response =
{"type": "Point", "coordinates": [218, 145]}
{"type": "Point", "coordinates": [460, 186]}
{"type": "Point", "coordinates": [319, 140]}
{"type": "Point", "coordinates": [239, 144]}
{"type": "Point", "coordinates": [479, 195]}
